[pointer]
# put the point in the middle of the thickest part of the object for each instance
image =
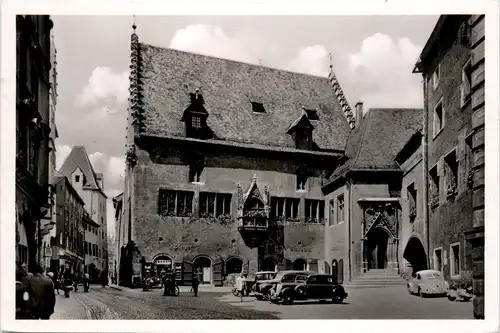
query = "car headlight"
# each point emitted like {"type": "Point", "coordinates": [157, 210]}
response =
{"type": "Point", "coordinates": [26, 296]}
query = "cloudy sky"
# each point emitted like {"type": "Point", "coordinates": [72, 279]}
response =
{"type": "Point", "coordinates": [373, 57]}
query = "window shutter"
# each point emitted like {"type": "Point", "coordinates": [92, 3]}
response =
{"type": "Point", "coordinates": [463, 90]}
{"type": "Point", "coordinates": [466, 85]}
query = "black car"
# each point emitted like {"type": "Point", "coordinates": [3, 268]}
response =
{"type": "Point", "coordinates": [306, 286]}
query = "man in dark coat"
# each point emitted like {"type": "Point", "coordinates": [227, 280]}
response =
{"type": "Point", "coordinates": [195, 283]}
{"type": "Point", "coordinates": [22, 296]}
{"type": "Point", "coordinates": [42, 298]}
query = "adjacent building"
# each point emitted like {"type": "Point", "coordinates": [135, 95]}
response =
{"type": "Point", "coordinates": [89, 185]}
{"type": "Point", "coordinates": [90, 247]}
{"type": "Point", "coordinates": [33, 128]}
{"type": "Point", "coordinates": [363, 195]}
{"type": "Point", "coordinates": [120, 239]}
{"type": "Point", "coordinates": [452, 65]}
{"type": "Point", "coordinates": [65, 244]}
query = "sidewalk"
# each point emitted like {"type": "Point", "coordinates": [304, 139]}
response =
{"type": "Point", "coordinates": [182, 289]}
{"type": "Point", "coordinates": [70, 308]}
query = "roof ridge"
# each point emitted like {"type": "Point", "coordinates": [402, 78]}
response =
{"type": "Point", "coordinates": [236, 61]}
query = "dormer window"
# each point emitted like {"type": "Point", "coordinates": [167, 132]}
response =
{"type": "Point", "coordinates": [258, 107]}
{"type": "Point", "coordinates": [195, 117]}
{"type": "Point", "coordinates": [77, 178]}
{"type": "Point", "coordinates": [301, 131]}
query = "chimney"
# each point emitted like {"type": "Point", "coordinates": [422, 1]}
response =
{"type": "Point", "coordinates": [359, 113]}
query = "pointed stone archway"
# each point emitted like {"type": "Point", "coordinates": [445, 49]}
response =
{"type": "Point", "coordinates": [380, 245]}
{"type": "Point", "coordinates": [414, 253]}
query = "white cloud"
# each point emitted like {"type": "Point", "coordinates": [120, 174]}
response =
{"type": "Point", "coordinates": [112, 168]}
{"type": "Point", "coordinates": [62, 151]}
{"type": "Point", "coordinates": [210, 40]}
{"type": "Point", "coordinates": [311, 60]}
{"type": "Point", "coordinates": [104, 85]}
{"type": "Point", "coordinates": [381, 72]}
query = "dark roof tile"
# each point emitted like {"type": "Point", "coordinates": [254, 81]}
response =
{"type": "Point", "coordinates": [228, 87]}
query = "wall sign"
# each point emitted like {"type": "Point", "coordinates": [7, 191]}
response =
{"type": "Point", "coordinates": [163, 262]}
{"type": "Point", "coordinates": [300, 249]}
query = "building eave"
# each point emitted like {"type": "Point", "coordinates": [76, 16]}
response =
{"type": "Point", "coordinates": [246, 146]}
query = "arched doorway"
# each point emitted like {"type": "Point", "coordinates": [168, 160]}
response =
{"type": "Point", "coordinates": [377, 243]}
{"type": "Point", "coordinates": [163, 263]}
{"type": "Point", "coordinates": [340, 274]}
{"type": "Point", "coordinates": [335, 267]}
{"type": "Point", "coordinates": [414, 253]}
{"type": "Point", "coordinates": [268, 265]}
{"type": "Point", "coordinates": [299, 265]}
{"type": "Point", "coordinates": [202, 267]}
{"type": "Point", "coordinates": [234, 266]}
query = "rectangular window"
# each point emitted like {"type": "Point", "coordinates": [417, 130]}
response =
{"type": "Point", "coordinates": [314, 211]}
{"type": "Point", "coordinates": [438, 259]}
{"type": "Point", "coordinates": [436, 76]}
{"type": "Point", "coordinates": [340, 208]}
{"type": "Point", "coordinates": [332, 213]}
{"type": "Point", "coordinates": [77, 178]}
{"type": "Point", "coordinates": [196, 122]}
{"type": "Point", "coordinates": [465, 87]}
{"type": "Point", "coordinates": [451, 172]}
{"type": "Point", "coordinates": [285, 207]}
{"type": "Point", "coordinates": [434, 177]}
{"type": "Point", "coordinates": [258, 107]}
{"type": "Point", "coordinates": [301, 182]}
{"type": "Point", "coordinates": [215, 204]}
{"type": "Point", "coordinates": [412, 201]}
{"type": "Point", "coordinates": [175, 203]}
{"type": "Point", "coordinates": [455, 259]}
{"type": "Point", "coordinates": [439, 118]}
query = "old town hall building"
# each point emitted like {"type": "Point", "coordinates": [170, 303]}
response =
{"type": "Point", "coordinates": [236, 167]}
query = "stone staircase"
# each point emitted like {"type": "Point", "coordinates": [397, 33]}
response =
{"type": "Point", "coordinates": [376, 278]}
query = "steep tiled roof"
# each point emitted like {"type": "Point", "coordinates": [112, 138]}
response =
{"type": "Point", "coordinates": [228, 88]}
{"type": "Point", "coordinates": [78, 158]}
{"type": "Point", "coordinates": [375, 143]}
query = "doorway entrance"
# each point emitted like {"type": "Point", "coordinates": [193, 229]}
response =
{"type": "Point", "coordinates": [299, 265]}
{"type": "Point", "coordinates": [414, 253]}
{"type": "Point", "coordinates": [377, 243]}
{"type": "Point", "coordinates": [202, 267]}
{"type": "Point", "coordinates": [268, 265]}
{"type": "Point", "coordinates": [234, 266]}
{"type": "Point", "coordinates": [335, 266]}
{"type": "Point", "coordinates": [162, 264]}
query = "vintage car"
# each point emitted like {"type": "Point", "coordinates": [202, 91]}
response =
{"type": "Point", "coordinates": [261, 280]}
{"type": "Point", "coordinates": [301, 286]}
{"type": "Point", "coordinates": [428, 282]}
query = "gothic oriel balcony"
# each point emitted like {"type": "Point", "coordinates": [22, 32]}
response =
{"type": "Point", "coordinates": [253, 227]}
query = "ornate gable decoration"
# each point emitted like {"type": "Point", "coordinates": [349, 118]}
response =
{"type": "Point", "coordinates": [379, 221]}
{"type": "Point", "coordinates": [136, 106]}
{"type": "Point", "coordinates": [253, 201]}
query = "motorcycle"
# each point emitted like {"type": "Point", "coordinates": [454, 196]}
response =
{"type": "Point", "coordinates": [460, 293]}
{"type": "Point", "coordinates": [147, 285]}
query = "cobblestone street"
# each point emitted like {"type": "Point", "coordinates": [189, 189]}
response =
{"type": "Point", "coordinates": [107, 303]}
{"type": "Point", "coordinates": [363, 303]}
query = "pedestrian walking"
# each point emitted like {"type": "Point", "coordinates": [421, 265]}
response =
{"type": "Point", "coordinates": [240, 285]}
{"type": "Point", "coordinates": [41, 297]}
{"type": "Point", "coordinates": [22, 296]}
{"type": "Point", "coordinates": [195, 283]}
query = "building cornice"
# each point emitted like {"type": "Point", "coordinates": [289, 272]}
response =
{"type": "Point", "coordinates": [210, 143]}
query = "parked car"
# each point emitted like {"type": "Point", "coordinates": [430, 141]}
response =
{"type": "Point", "coordinates": [428, 282]}
{"type": "Point", "coordinates": [261, 281]}
{"type": "Point", "coordinates": [292, 286]}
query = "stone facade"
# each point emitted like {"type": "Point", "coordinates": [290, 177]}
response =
{"type": "Point", "coordinates": [452, 64]}
{"type": "Point", "coordinates": [32, 134]}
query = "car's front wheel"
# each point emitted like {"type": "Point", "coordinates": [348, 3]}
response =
{"type": "Point", "coordinates": [338, 299]}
